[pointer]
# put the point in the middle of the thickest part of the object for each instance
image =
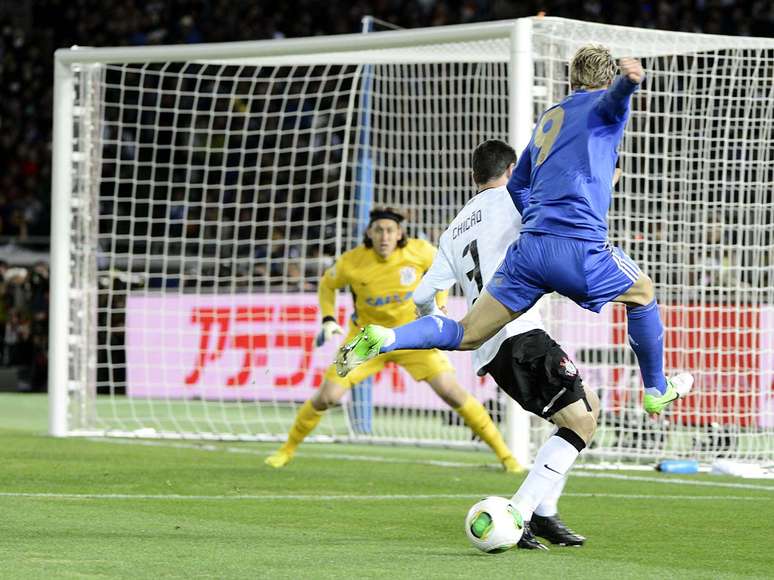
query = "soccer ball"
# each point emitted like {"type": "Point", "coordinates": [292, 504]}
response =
{"type": "Point", "coordinates": [494, 525]}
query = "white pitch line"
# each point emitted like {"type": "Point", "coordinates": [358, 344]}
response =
{"type": "Point", "coordinates": [577, 472]}
{"type": "Point", "coordinates": [619, 476]}
{"type": "Point", "coordinates": [336, 456]}
{"type": "Point", "coordinates": [344, 497]}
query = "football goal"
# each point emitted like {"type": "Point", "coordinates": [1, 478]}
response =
{"type": "Point", "coordinates": [200, 191]}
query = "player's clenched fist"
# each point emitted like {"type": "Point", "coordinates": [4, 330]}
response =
{"type": "Point", "coordinates": [632, 69]}
{"type": "Point", "coordinates": [329, 328]}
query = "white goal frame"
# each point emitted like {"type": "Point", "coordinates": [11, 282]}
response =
{"type": "Point", "coordinates": [72, 357]}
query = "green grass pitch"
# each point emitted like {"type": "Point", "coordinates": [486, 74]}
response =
{"type": "Point", "coordinates": [74, 508]}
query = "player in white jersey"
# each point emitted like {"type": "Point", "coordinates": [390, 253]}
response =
{"type": "Point", "coordinates": [469, 253]}
{"type": "Point", "coordinates": [524, 361]}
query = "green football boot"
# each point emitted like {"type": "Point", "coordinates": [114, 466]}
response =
{"type": "Point", "coordinates": [362, 348]}
{"type": "Point", "coordinates": [678, 386]}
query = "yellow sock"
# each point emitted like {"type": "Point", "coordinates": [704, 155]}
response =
{"type": "Point", "coordinates": [481, 423]}
{"type": "Point", "coordinates": [307, 419]}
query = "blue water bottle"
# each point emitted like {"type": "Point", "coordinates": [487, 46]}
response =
{"type": "Point", "coordinates": [678, 466]}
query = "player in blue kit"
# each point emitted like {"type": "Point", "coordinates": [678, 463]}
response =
{"type": "Point", "coordinates": [562, 187]}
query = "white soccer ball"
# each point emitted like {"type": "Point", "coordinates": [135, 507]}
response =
{"type": "Point", "coordinates": [494, 525]}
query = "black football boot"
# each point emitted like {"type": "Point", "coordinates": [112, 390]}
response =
{"type": "Point", "coordinates": [528, 541]}
{"type": "Point", "coordinates": [553, 529]}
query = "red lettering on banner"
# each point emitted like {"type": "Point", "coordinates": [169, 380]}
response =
{"type": "Point", "coordinates": [254, 345]}
{"type": "Point", "coordinates": [207, 317]}
{"type": "Point", "coordinates": [295, 340]}
{"type": "Point", "coordinates": [305, 313]}
{"type": "Point", "coordinates": [254, 313]}
{"type": "Point", "coordinates": [250, 343]}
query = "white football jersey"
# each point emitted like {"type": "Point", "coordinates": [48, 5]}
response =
{"type": "Point", "coordinates": [469, 253]}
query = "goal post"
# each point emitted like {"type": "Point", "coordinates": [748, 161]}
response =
{"type": "Point", "coordinates": [200, 191]}
{"type": "Point", "coordinates": [61, 199]}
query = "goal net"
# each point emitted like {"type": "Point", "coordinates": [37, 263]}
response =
{"type": "Point", "coordinates": [201, 191]}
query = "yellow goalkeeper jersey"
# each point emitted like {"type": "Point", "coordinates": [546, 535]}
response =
{"type": "Point", "coordinates": [381, 288]}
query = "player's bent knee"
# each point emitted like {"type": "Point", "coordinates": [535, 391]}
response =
{"type": "Point", "coordinates": [593, 400]}
{"type": "Point", "coordinates": [327, 396]}
{"type": "Point", "coordinates": [578, 418]}
{"type": "Point", "coordinates": [319, 403]}
{"type": "Point", "coordinates": [585, 426]}
{"type": "Point", "coordinates": [641, 293]}
{"type": "Point", "coordinates": [648, 290]}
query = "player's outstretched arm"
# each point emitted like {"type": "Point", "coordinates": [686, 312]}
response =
{"type": "Point", "coordinates": [424, 298]}
{"type": "Point", "coordinates": [431, 294]}
{"type": "Point", "coordinates": [614, 102]}
{"type": "Point", "coordinates": [326, 295]}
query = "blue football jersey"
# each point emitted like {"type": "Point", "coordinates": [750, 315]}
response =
{"type": "Point", "coordinates": [562, 184]}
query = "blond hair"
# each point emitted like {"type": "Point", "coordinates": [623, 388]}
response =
{"type": "Point", "coordinates": [592, 67]}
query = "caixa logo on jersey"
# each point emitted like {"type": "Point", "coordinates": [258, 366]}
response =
{"type": "Point", "coordinates": [396, 298]}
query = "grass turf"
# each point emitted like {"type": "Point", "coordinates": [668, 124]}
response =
{"type": "Point", "coordinates": [74, 508]}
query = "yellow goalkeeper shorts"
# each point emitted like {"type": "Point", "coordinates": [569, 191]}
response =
{"type": "Point", "coordinates": [422, 365]}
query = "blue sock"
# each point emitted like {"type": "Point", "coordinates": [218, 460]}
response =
{"type": "Point", "coordinates": [646, 336]}
{"type": "Point", "coordinates": [427, 332]}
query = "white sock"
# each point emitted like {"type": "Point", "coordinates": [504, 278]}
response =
{"type": "Point", "coordinates": [549, 505]}
{"type": "Point", "coordinates": [390, 337]}
{"type": "Point", "coordinates": [553, 461]}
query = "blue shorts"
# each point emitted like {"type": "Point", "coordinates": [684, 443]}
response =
{"type": "Point", "coordinates": [589, 273]}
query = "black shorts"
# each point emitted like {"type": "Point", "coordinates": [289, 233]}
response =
{"type": "Point", "coordinates": [535, 372]}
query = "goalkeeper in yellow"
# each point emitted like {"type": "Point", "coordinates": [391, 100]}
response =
{"type": "Point", "coordinates": [382, 274]}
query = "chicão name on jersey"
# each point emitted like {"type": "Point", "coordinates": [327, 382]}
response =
{"type": "Point", "coordinates": [472, 220]}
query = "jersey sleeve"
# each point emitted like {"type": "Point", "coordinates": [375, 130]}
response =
{"type": "Point", "coordinates": [426, 252]}
{"type": "Point", "coordinates": [518, 184]}
{"type": "Point", "coordinates": [335, 277]}
{"type": "Point", "coordinates": [434, 286]}
{"type": "Point", "coordinates": [614, 102]}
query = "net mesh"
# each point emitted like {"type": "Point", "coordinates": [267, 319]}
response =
{"type": "Point", "coordinates": [693, 209]}
{"type": "Point", "coordinates": [210, 196]}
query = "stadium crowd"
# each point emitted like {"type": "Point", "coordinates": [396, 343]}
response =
{"type": "Point", "coordinates": [32, 30]}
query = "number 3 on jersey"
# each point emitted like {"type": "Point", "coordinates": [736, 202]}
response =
{"type": "Point", "coordinates": [547, 132]}
{"type": "Point", "coordinates": [475, 273]}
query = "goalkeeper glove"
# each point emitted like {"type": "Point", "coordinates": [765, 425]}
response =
{"type": "Point", "coordinates": [329, 328]}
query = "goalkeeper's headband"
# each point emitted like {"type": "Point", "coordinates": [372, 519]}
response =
{"type": "Point", "coordinates": [385, 214]}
